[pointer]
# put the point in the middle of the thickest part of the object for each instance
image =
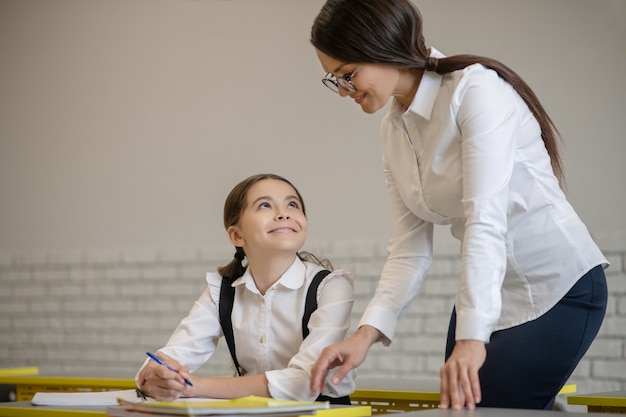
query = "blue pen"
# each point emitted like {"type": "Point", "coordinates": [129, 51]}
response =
{"type": "Point", "coordinates": [160, 362]}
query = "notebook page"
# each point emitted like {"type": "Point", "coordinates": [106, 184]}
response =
{"type": "Point", "coordinates": [84, 398]}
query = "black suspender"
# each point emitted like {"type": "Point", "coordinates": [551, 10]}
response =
{"type": "Point", "coordinates": [227, 296]}
{"type": "Point", "coordinates": [310, 305]}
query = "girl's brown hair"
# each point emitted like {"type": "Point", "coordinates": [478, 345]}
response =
{"type": "Point", "coordinates": [390, 32]}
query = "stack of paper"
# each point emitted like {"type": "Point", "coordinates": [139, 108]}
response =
{"type": "Point", "coordinates": [85, 398]}
{"type": "Point", "coordinates": [252, 405]}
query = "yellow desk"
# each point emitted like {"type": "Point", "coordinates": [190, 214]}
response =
{"type": "Point", "coordinates": [27, 386]}
{"type": "Point", "coordinates": [613, 402]}
{"type": "Point", "coordinates": [387, 401]}
{"type": "Point", "coordinates": [27, 370]}
{"type": "Point", "coordinates": [380, 401]}
{"type": "Point", "coordinates": [26, 409]}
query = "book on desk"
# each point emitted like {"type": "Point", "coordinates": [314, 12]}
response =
{"type": "Point", "coordinates": [250, 405]}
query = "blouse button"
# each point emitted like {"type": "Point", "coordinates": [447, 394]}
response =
{"type": "Point", "coordinates": [261, 339]}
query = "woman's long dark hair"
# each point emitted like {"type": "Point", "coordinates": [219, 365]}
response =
{"type": "Point", "coordinates": [390, 32]}
{"type": "Point", "coordinates": [234, 206]}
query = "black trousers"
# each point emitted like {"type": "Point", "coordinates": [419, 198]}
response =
{"type": "Point", "coordinates": [527, 365]}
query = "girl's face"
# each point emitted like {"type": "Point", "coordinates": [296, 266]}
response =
{"type": "Point", "coordinates": [375, 83]}
{"type": "Point", "coordinates": [272, 220]}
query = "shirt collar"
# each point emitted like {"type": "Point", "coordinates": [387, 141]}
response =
{"type": "Point", "coordinates": [427, 92]}
{"type": "Point", "coordinates": [292, 278]}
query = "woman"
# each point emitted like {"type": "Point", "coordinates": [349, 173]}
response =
{"type": "Point", "coordinates": [466, 143]}
{"type": "Point", "coordinates": [277, 320]}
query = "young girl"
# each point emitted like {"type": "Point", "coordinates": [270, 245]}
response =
{"type": "Point", "coordinates": [265, 219]}
{"type": "Point", "coordinates": [467, 144]}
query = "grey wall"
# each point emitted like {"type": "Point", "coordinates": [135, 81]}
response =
{"type": "Point", "coordinates": [124, 123]}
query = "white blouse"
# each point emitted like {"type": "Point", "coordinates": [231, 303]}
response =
{"type": "Point", "coordinates": [268, 329]}
{"type": "Point", "coordinates": [468, 153]}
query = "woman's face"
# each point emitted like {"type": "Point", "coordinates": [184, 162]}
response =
{"type": "Point", "coordinates": [374, 83]}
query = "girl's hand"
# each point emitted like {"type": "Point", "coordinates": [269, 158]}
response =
{"type": "Point", "coordinates": [160, 383]}
{"type": "Point", "coordinates": [460, 385]}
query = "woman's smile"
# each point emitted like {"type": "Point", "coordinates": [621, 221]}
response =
{"type": "Point", "coordinates": [359, 99]}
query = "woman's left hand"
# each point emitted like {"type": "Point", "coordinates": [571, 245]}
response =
{"type": "Point", "coordinates": [460, 386]}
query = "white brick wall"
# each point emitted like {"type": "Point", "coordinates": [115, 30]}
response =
{"type": "Point", "coordinates": [96, 313]}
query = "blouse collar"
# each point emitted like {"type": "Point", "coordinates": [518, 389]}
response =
{"type": "Point", "coordinates": [426, 94]}
{"type": "Point", "coordinates": [292, 278]}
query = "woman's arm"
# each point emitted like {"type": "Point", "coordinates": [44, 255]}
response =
{"type": "Point", "coordinates": [489, 119]}
{"type": "Point", "coordinates": [409, 251]}
{"type": "Point", "coordinates": [410, 256]}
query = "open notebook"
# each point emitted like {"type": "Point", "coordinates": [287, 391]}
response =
{"type": "Point", "coordinates": [86, 398]}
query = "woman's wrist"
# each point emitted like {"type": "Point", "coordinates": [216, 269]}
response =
{"type": "Point", "coordinates": [369, 334]}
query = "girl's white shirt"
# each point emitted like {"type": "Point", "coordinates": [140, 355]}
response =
{"type": "Point", "coordinates": [468, 153]}
{"type": "Point", "coordinates": [268, 328]}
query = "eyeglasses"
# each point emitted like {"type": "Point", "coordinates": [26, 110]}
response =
{"type": "Point", "coordinates": [345, 81]}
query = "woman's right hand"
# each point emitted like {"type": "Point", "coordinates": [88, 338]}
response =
{"type": "Point", "coordinates": [460, 384]}
{"type": "Point", "coordinates": [348, 354]}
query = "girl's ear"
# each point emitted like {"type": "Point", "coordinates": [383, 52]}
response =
{"type": "Point", "coordinates": [235, 237]}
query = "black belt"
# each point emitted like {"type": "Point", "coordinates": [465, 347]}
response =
{"type": "Point", "coordinates": [335, 400]}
